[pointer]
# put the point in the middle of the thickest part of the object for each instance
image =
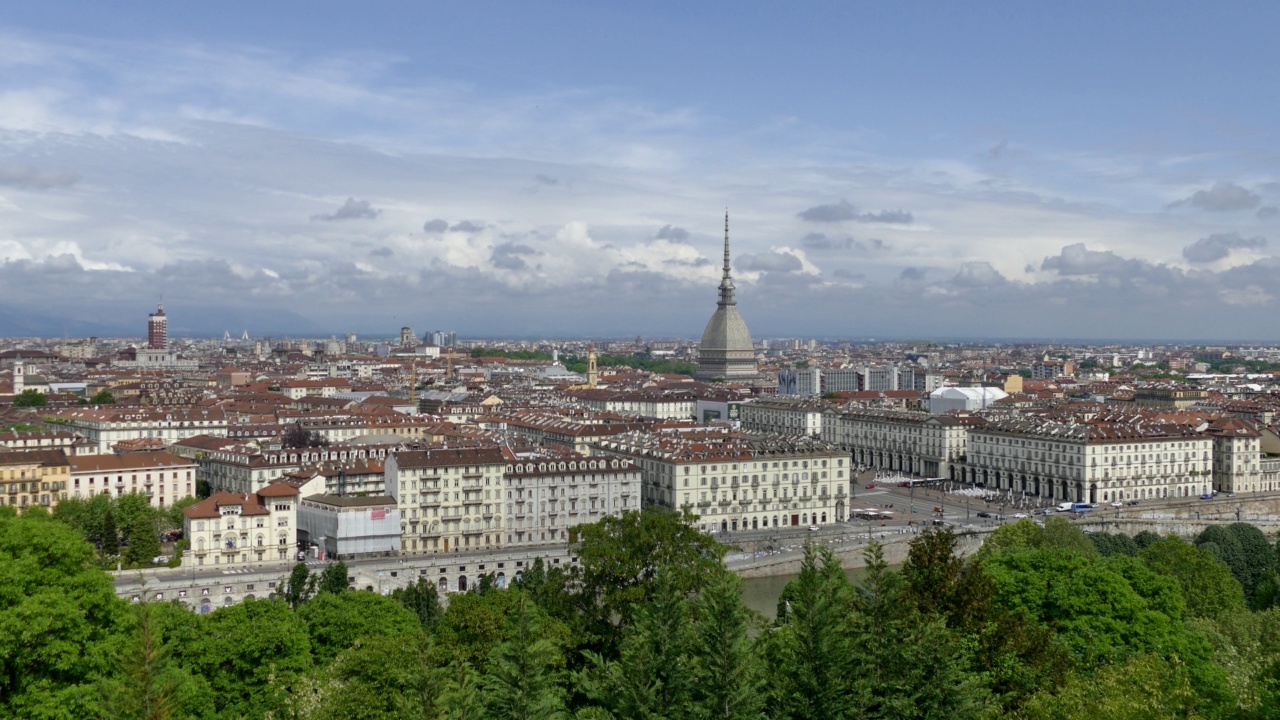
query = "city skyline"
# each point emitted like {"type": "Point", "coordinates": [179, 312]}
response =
{"type": "Point", "coordinates": [897, 173]}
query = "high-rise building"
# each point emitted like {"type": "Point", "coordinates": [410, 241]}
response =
{"type": "Point", "coordinates": [726, 352]}
{"type": "Point", "coordinates": [158, 329]}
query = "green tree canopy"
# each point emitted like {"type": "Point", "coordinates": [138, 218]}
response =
{"type": "Point", "coordinates": [144, 542]}
{"type": "Point", "coordinates": [333, 579]}
{"type": "Point", "coordinates": [103, 397]}
{"type": "Point", "coordinates": [620, 558]}
{"type": "Point", "coordinates": [335, 621]}
{"type": "Point", "coordinates": [253, 655]}
{"type": "Point", "coordinates": [30, 398]}
{"type": "Point", "coordinates": [420, 598]}
{"type": "Point", "coordinates": [59, 617]}
{"type": "Point", "coordinates": [522, 682]}
{"type": "Point", "coordinates": [1208, 587]}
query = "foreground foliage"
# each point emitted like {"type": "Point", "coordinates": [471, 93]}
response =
{"type": "Point", "coordinates": [1044, 622]}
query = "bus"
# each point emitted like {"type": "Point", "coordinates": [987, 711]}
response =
{"type": "Point", "coordinates": [1081, 507]}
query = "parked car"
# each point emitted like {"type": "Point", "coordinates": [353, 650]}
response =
{"type": "Point", "coordinates": [159, 560]}
{"type": "Point", "coordinates": [1132, 503]}
{"type": "Point", "coordinates": [1019, 515]}
{"type": "Point", "coordinates": [813, 528]}
{"type": "Point", "coordinates": [1117, 503]}
{"type": "Point", "coordinates": [984, 514]}
{"type": "Point", "coordinates": [871, 486]}
{"type": "Point", "coordinates": [1207, 496]}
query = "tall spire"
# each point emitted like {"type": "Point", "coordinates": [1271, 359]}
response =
{"type": "Point", "coordinates": [726, 281]}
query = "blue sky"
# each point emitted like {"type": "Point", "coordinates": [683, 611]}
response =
{"type": "Point", "coordinates": [910, 169]}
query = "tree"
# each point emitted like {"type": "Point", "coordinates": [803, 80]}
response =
{"type": "Point", "coordinates": [173, 517]}
{"type": "Point", "coordinates": [333, 579]}
{"type": "Point", "coordinates": [521, 683]}
{"type": "Point", "coordinates": [728, 676]}
{"type": "Point", "coordinates": [128, 508]}
{"type": "Point", "coordinates": [1244, 549]}
{"type": "Point", "coordinates": [299, 587]}
{"type": "Point", "coordinates": [253, 655]}
{"type": "Point", "coordinates": [144, 543]}
{"type": "Point", "coordinates": [940, 582]}
{"type": "Point", "coordinates": [808, 651]}
{"type": "Point", "coordinates": [30, 398]}
{"type": "Point", "coordinates": [58, 615]}
{"type": "Point", "coordinates": [335, 621]}
{"type": "Point", "coordinates": [1113, 543]}
{"type": "Point", "coordinates": [103, 397]}
{"type": "Point", "coordinates": [147, 684]}
{"type": "Point", "coordinates": [389, 677]}
{"type": "Point", "coordinates": [652, 676]}
{"type": "Point", "coordinates": [110, 535]}
{"type": "Point", "coordinates": [1208, 587]}
{"type": "Point", "coordinates": [620, 558]}
{"type": "Point", "coordinates": [421, 599]}
{"type": "Point", "coordinates": [1142, 688]}
{"type": "Point", "coordinates": [911, 664]}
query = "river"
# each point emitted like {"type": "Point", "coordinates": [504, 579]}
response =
{"type": "Point", "coordinates": [761, 593]}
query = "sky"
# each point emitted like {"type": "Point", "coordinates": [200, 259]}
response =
{"type": "Point", "coordinates": [562, 169]}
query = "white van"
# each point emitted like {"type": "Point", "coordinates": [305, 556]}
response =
{"type": "Point", "coordinates": [1064, 507]}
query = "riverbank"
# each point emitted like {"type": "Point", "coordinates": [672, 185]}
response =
{"type": "Point", "coordinates": [848, 549]}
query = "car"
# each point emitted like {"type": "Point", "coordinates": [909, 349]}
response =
{"type": "Point", "coordinates": [1207, 496]}
{"type": "Point", "coordinates": [1042, 511]}
{"type": "Point", "coordinates": [813, 528]}
{"type": "Point", "coordinates": [1132, 503]}
{"type": "Point", "coordinates": [984, 514]}
{"type": "Point", "coordinates": [871, 486]}
{"type": "Point", "coordinates": [1020, 515]}
{"type": "Point", "coordinates": [1117, 503]}
{"type": "Point", "coordinates": [159, 560]}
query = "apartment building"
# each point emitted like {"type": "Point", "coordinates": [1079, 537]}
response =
{"type": "Point", "coordinates": [909, 442]}
{"type": "Point", "coordinates": [547, 493]}
{"type": "Point", "coordinates": [33, 477]}
{"type": "Point", "coordinates": [242, 529]}
{"type": "Point", "coordinates": [783, 416]}
{"type": "Point", "coordinates": [1237, 456]}
{"type": "Point", "coordinates": [241, 467]}
{"type": "Point", "coordinates": [739, 482]}
{"type": "Point", "coordinates": [1058, 460]}
{"type": "Point", "coordinates": [450, 498]}
{"type": "Point", "coordinates": [108, 426]}
{"type": "Point", "coordinates": [162, 477]}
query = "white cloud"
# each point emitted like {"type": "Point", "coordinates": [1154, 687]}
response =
{"type": "Point", "coordinates": [217, 157]}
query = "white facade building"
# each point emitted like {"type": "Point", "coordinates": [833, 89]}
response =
{"type": "Point", "coordinates": [162, 477]}
{"type": "Point", "coordinates": [1093, 462]}
{"type": "Point", "coordinates": [548, 493]}
{"type": "Point", "coordinates": [783, 416]}
{"type": "Point", "coordinates": [735, 482]}
{"type": "Point", "coordinates": [450, 498]}
{"type": "Point", "coordinates": [909, 442]}
{"type": "Point", "coordinates": [242, 529]}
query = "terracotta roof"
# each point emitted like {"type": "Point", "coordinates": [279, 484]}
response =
{"type": "Point", "coordinates": [278, 489]}
{"type": "Point", "coordinates": [128, 461]}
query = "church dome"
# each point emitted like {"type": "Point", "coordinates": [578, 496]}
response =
{"type": "Point", "coordinates": [726, 352]}
{"type": "Point", "coordinates": [727, 331]}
